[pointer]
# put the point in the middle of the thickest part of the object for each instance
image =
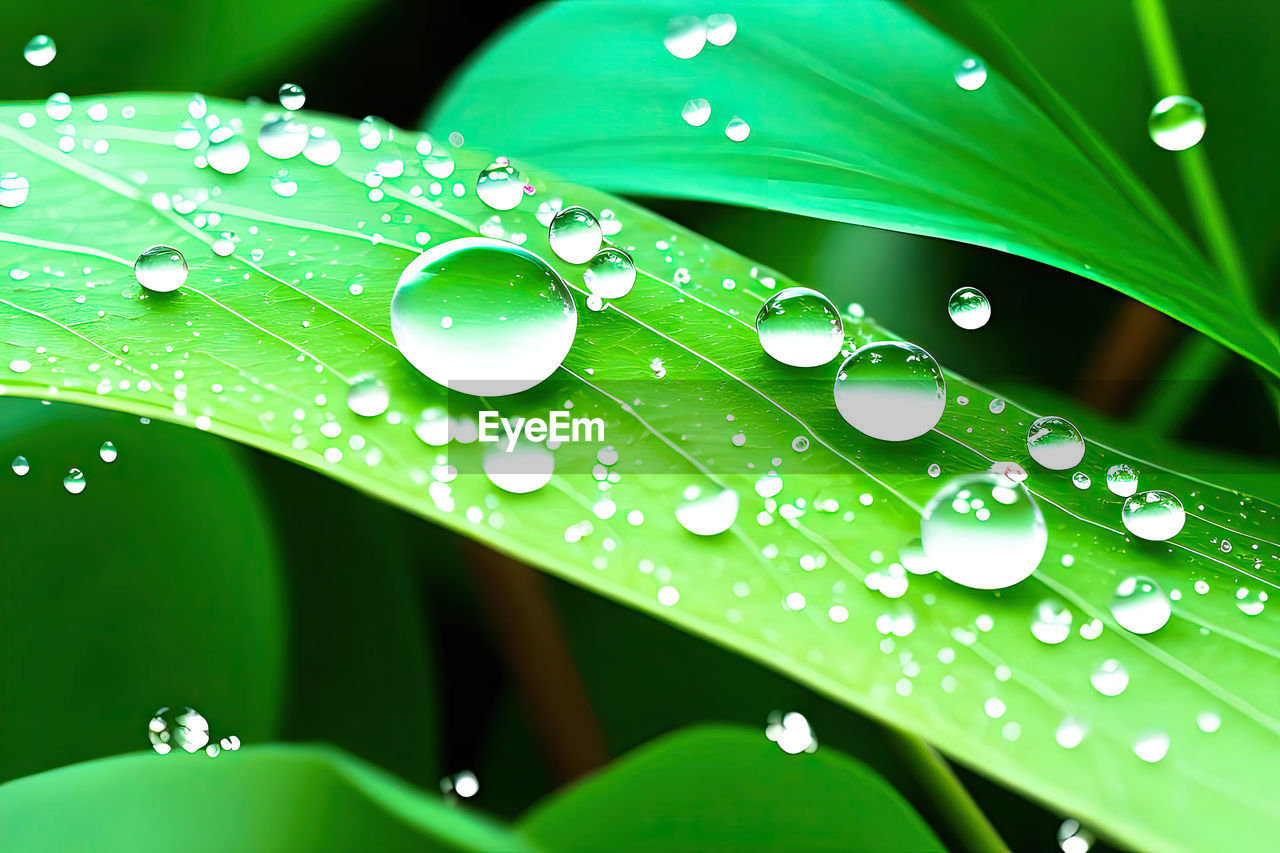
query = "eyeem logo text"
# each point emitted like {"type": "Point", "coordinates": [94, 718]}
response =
{"type": "Point", "coordinates": [557, 427]}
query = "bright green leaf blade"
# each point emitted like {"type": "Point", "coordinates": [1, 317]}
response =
{"type": "Point", "coordinates": [159, 584]}
{"type": "Point", "coordinates": [854, 116]}
{"type": "Point", "coordinates": [726, 788]}
{"type": "Point", "coordinates": [262, 798]}
{"type": "Point", "coordinates": [268, 338]}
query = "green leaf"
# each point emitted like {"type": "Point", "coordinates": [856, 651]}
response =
{"type": "Point", "coordinates": [158, 585]}
{"type": "Point", "coordinates": [726, 788]}
{"type": "Point", "coordinates": [268, 338]}
{"type": "Point", "coordinates": [854, 116]}
{"type": "Point", "coordinates": [261, 798]}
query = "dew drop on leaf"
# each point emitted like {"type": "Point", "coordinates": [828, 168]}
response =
{"type": "Point", "coordinates": [282, 138]}
{"type": "Point", "coordinates": [183, 728]}
{"type": "Point", "coordinates": [1154, 515]}
{"type": "Point", "coordinates": [696, 112]}
{"type": "Point", "coordinates": [160, 269]}
{"type": "Point", "coordinates": [21, 466]}
{"type": "Point", "coordinates": [1152, 747]}
{"type": "Point", "coordinates": [74, 482]}
{"type": "Point", "coordinates": [1110, 678]}
{"type": "Point", "coordinates": [1081, 480]}
{"type": "Point", "coordinates": [1055, 443]}
{"type": "Point", "coordinates": [40, 51]}
{"type": "Point", "coordinates": [1176, 123]}
{"type": "Point", "coordinates": [970, 74]}
{"type": "Point", "coordinates": [983, 531]}
{"type": "Point", "coordinates": [58, 106]}
{"type": "Point", "coordinates": [107, 452]}
{"type": "Point", "coordinates": [500, 186]}
{"type": "Point", "coordinates": [292, 97]}
{"type": "Point", "coordinates": [1140, 606]}
{"type": "Point", "coordinates": [522, 470]}
{"type": "Point", "coordinates": [575, 235]}
{"type": "Point", "coordinates": [686, 36]}
{"type": "Point", "coordinates": [707, 514]}
{"type": "Point", "coordinates": [721, 28]}
{"type": "Point", "coordinates": [610, 274]}
{"type": "Point", "coordinates": [282, 186]}
{"type": "Point", "coordinates": [321, 148]}
{"type": "Point", "coordinates": [800, 327]}
{"type": "Point", "coordinates": [1051, 622]}
{"type": "Point", "coordinates": [891, 390]}
{"type": "Point", "coordinates": [1074, 838]}
{"type": "Point", "coordinates": [1122, 480]}
{"type": "Point", "coordinates": [737, 129]}
{"type": "Point", "coordinates": [368, 397]}
{"type": "Point", "coordinates": [227, 152]}
{"type": "Point", "coordinates": [13, 189]}
{"type": "Point", "coordinates": [968, 308]}
{"type": "Point", "coordinates": [512, 320]}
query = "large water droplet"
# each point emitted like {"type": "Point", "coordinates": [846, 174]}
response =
{"type": "Point", "coordinates": [13, 190]}
{"type": "Point", "coordinates": [524, 469]}
{"type": "Point", "coordinates": [74, 482]}
{"type": "Point", "coordinates": [721, 28]}
{"type": "Point", "coordinates": [58, 107]}
{"type": "Point", "coordinates": [707, 514]}
{"type": "Point", "coordinates": [610, 274]}
{"type": "Point", "coordinates": [1110, 678]}
{"type": "Point", "coordinates": [1122, 480]}
{"type": "Point", "coordinates": [1152, 747]}
{"type": "Point", "coordinates": [368, 397]}
{"type": "Point", "coordinates": [187, 136]}
{"type": "Point", "coordinates": [800, 327]}
{"type": "Point", "coordinates": [891, 390]}
{"type": "Point", "coordinates": [40, 51]}
{"type": "Point", "coordinates": [737, 129]}
{"type": "Point", "coordinates": [282, 138]}
{"type": "Point", "coordinates": [160, 269]}
{"type": "Point", "coordinates": [970, 74]}
{"type": "Point", "coordinates": [107, 452]}
{"type": "Point", "coordinates": [1051, 622]}
{"type": "Point", "coordinates": [1154, 515]}
{"type": "Point", "coordinates": [21, 466]}
{"type": "Point", "coordinates": [1074, 838]}
{"type": "Point", "coordinates": [696, 112]}
{"type": "Point", "coordinates": [227, 152]}
{"type": "Point", "coordinates": [184, 728]}
{"type": "Point", "coordinates": [1055, 443]}
{"type": "Point", "coordinates": [983, 531]}
{"type": "Point", "coordinates": [969, 308]}
{"type": "Point", "coordinates": [575, 235]}
{"type": "Point", "coordinates": [1176, 123]}
{"type": "Point", "coordinates": [292, 97]}
{"type": "Point", "coordinates": [1140, 606]}
{"type": "Point", "coordinates": [686, 36]}
{"type": "Point", "coordinates": [483, 316]}
{"type": "Point", "coordinates": [371, 130]}
{"type": "Point", "coordinates": [500, 186]}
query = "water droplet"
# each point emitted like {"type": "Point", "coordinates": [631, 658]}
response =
{"type": "Point", "coordinates": [74, 482]}
{"type": "Point", "coordinates": [40, 51]}
{"type": "Point", "coordinates": [891, 390]}
{"type": "Point", "coordinates": [1155, 515]}
{"type": "Point", "coordinates": [1081, 480]}
{"type": "Point", "coordinates": [187, 136]}
{"type": "Point", "coordinates": [696, 112]}
{"type": "Point", "coordinates": [971, 74]}
{"type": "Point", "coordinates": [368, 397]}
{"type": "Point", "coordinates": [522, 470]}
{"type": "Point", "coordinates": [1176, 123]}
{"type": "Point", "coordinates": [800, 327]}
{"type": "Point", "coordinates": [1110, 678]}
{"type": "Point", "coordinates": [800, 444]}
{"type": "Point", "coordinates": [791, 732]}
{"type": "Point", "coordinates": [322, 149]}
{"type": "Point", "coordinates": [721, 28]}
{"type": "Point", "coordinates": [969, 308]}
{"type": "Point", "coordinates": [160, 269]}
{"type": "Point", "coordinates": [1208, 722]}
{"type": "Point", "coordinates": [934, 470]}
{"type": "Point", "coordinates": [21, 466]}
{"type": "Point", "coordinates": [996, 406]}
{"type": "Point", "coordinates": [610, 274]}
{"type": "Point", "coordinates": [371, 130]}
{"type": "Point", "coordinates": [686, 36]}
{"type": "Point", "coordinates": [1070, 733]}
{"type": "Point", "coordinates": [282, 186]}
{"type": "Point", "coordinates": [1140, 606]}
{"type": "Point", "coordinates": [1051, 622]}
{"type": "Point", "coordinates": [1055, 443]}
{"type": "Point", "coordinates": [283, 138]}
{"type": "Point", "coordinates": [184, 728]}
{"type": "Point", "coordinates": [13, 190]}
{"type": "Point", "coordinates": [1074, 838]}
{"type": "Point", "coordinates": [1251, 602]}
{"type": "Point", "coordinates": [737, 129]}
{"type": "Point", "coordinates": [1152, 747]}
{"type": "Point", "coordinates": [1122, 480]}
{"type": "Point", "coordinates": [107, 452]}
{"type": "Point", "coordinates": [501, 187]}
{"type": "Point", "coordinates": [512, 319]}
{"type": "Point", "coordinates": [227, 151]}
{"type": "Point", "coordinates": [983, 531]}
{"type": "Point", "coordinates": [710, 514]}
{"type": "Point", "coordinates": [292, 97]}
{"type": "Point", "coordinates": [575, 235]}
{"type": "Point", "coordinates": [58, 107]}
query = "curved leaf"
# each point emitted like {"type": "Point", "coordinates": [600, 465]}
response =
{"type": "Point", "coordinates": [854, 116]}
{"type": "Point", "coordinates": [260, 346]}
{"type": "Point", "coordinates": [726, 788]}
{"type": "Point", "coordinates": [261, 798]}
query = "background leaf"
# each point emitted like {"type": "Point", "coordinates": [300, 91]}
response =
{"type": "Point", "coordinates": [269, 337]}
{"type": "Point", "coordinates": [264, 798]}
{"type": "Point", "coordinates": [726, 788]}
{"type": "Point", "coordinates": [878, 135]}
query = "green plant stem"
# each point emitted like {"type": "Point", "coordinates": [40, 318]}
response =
{"type": "Point", "coordinates": [1193, 367]}
{"type": "Point", "coordinates": [962, 815]}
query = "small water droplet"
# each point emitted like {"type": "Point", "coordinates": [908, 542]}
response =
{"type": "Point", "coordinates": [969, 308]}
{"type": "Point", "coordinates": [721, 28]}
{"type": "Point", "coordinates": [1208, 722]}
{"type": "Point", "coordinates": [575, 235]}
{"type": "Point", "coordinates": [368, 397]}
{"type": "Point", "coordinates": [1122, 480]}
{"type": "Point", "coordinates": [107, 452]}
{"type": "Point", "coordinates": [1055, 443]}
{"type": "Point", "coordinates": [737, 129]}
{"type": "Point", "coordinates": [1152, 747]}
{"type": "Point", "coordinates": [800, 327]}
{"type": "Point", "coordinates": [696, 112]}
{"type": "Point", "coordinates": [1140, 606]}
{"type": "Point", "coordinates": [1110, 678]}
{"type": "Point", "coordinates": [524, 469]}
{"type": "Point", "coordinates": [184, 728]}
{"type": "Point", "coordinates": [187, 136]}
{"type": "Point", "coordinates": [282, 138]}
{"type": "Point", "coordinates": [292, 97]}
{"type": "Point", "coordinates": [160, 269]}
{"type": "Point", "coordinates": [1081, 480]}
{"type": "Point", "coordinates": [1070, 733]}
{"type": "Point", "coordinates": [13, 189]}
{"type": "Point", "coordinates": [791, 732]}
{"type": "Point", "coordinates": [40, 51]}
{"type": "Point", "coordinates": [513, 319]}
{"type": "Point", "coordinates": [500, 186]}
{"type": "Point", "coordinates": [983, 531]}
{"type": "Point", "coordinates": [707, 514]}
{"type": "Point", "coordinates": [1074, 838]}
{"type": "Point", "coordinates": [891, 390]}
{"type": "Point", "coordinates": [610, 274]}
{"type": "Point", "coordinates": [227, 152]}
{"type": "Point", "coordinates": [21, 466]}
{"type": "Point", "coordinates": [996, 406]}
{"type": "Point", "coordinates": [282, 186]}
{"type": "Point", "coordinates": [970, 74]}
{"type": "Point", "coordinates": [1155, 515]}
{"type": "Point", "coordinates": [1051, 622]}
{"type": "Point", "coordinates": [74, 482]}
{"type": "Point", "coordinates": [934, 470]}
{"type": "Point", "coordinates": [58, 107]}
{"type": "Point", "coordinates": [686, 36]}
{"type": "Point", "coordinates": [1176, 123]}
